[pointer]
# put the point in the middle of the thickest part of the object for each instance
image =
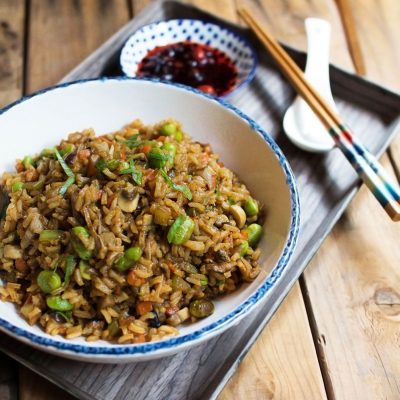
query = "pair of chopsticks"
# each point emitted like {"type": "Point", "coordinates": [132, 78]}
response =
{"type": "Point", "coordinates": [365, 164]}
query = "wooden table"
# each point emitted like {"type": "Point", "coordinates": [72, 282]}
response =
{"type": "Point", "coordinates": [337, 335]}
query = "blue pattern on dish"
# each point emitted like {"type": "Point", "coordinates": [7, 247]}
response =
{"type": "Point", "coordinates": [162, 33]}
{"type": "Point", "coordinates": [216, 326]}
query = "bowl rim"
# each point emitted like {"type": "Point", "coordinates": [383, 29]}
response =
{"type": "Point", "coordinates": [222, 323]}
{"type": "Point", "coordinates": [205, 22]}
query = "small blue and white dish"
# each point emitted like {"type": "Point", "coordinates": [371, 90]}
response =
{"type": "Point", "coordinates": [159, 34]}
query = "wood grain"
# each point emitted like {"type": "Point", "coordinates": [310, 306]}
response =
{"type": "Point", "coordinates": [12, 13]}
{"type": "Point", "coordinates": [61, 33]}
{"type": "Point", "coordinates": [277, 359]}
{"type": "Point", "coordinates": [34, 387]}
{"type": "Point", "coordinates": [8, 378]}
{"type": "Point", "coordinates": [353, 282]}
{"type": "Point", "coordinates": [285, 19]}
{"type": "Point", "coordinates": [353, 286]}
{"type": "Point", "coordinates": [12, 32]}
{"type": "Point", "coordinates": [260, 359]}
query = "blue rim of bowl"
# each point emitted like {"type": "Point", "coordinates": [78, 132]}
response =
{"type": "Point", "coordinates": [237, 36]}
{"type": "Point", "coordinates": [246, 306]}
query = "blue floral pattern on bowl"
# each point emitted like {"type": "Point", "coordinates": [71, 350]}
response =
{"type": "Point", "coordinates": [163, 33]}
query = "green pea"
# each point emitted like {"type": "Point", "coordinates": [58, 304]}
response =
{"type": "Point", "coordinates": [48, 281]}
{"type": "Point", "coordinates": [122, 264]}
{"type": "Point", "coordinates": [178, 136]}
{"type": "Point", "coordinates": [243, 248]}
{"type": "Point", "coordinates": [58, 303]}
{"type": "Point", "coordinates": [78, 233]}
{"type": "Point", "coordinates": [201, 308]}
{"type": "Point", "coordinates": [254, 232]}
{"type": "Point", "coordinates": [181, 230]}
{"type": "Point", "coordinates": [251, 207]}
{"type": "Point", "coordinates": [17, 186]}
{"type": "Point", "coordinates": [157, 158]}
{"type": "Point", "coordinates": [168, 129]}
{"type": "Point", "coordinates": [27, 162]}
{"type": "Point", "coordinates": [130, 257]}
{"type": "Point", "coordinates": [133, 254]}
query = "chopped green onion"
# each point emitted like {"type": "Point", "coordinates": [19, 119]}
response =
{"type": "Point", "coordinates": [157, 158]}
{"type": "Point", "coordinates": [136, 175]}
{"type": "Point", "coordinates": [83, 268]}
{"type": "Point", "coordinates": [77, 233]}
{"type": "Point", "coordinates": [48, 235]}
{"type": "Point", "coordinates": [131, 141]}
{"type": "Point", "coordinates": [101, 164]}
{"type": "Point", "coordinates": [69, 269]}
{"type": "Point", "coordinates": [27, 162]}
{"type": "Point", "coordinates": [68, 172]}
{"type": "Point", "coordinates": [182, 188]}
{"type": "Point", "coordinates": [17, 186]}
{"type": "Point", "coordinates": [243, 248]}
{"type": "Point", "coordinates": [47, 153]}
{"type": "Point", "coordinates": [66, 150]}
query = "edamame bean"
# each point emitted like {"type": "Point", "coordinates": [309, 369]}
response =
{"type": "Point", "coordinates": [201, 308]}
{"type": "Point", "coordinates": [58, 303]}
{"type": "Point", "coordinates": [254, 232]}
{"type": "Point", "coordinates": [181, 230]}
{"type": "Point", "coordinates": [48, 281]}
{"type": "Point", "coordinates": [251, 207]}
{"type": "Point", "coordinates": [168, 129]}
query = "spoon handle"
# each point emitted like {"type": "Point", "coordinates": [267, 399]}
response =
{"type": "Point", "coordinates": [317, 66]}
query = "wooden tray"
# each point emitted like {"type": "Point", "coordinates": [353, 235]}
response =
{"type": "Point", "coordinates": [326, 185]}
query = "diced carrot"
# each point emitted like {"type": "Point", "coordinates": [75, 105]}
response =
{"type": "Point", "coordinates": [150, 174]}
{"type": "Point", "coordinates": [244, 234]}
{"type": "Point", "coordinates": [134, 280]}
{"type": "Point", "coordinates": [122, 153]}
{"type": "Point", "coordinates": [139, 339]}
{"type": "Point", "coordinates": [21, 265]}
{"type": "Point", "coordinates": [146, 148]}
{"type": "Point", "coordinates": [161, 138]}
{"type": "Point", "coordinates": [19, 166]}
{"type": "Point", "coordinates": [144, 307]}
{"type": "Point", "coordinates": [109, 201]}
{"type": "Point", "coordinates": [83, 154]}
{"type": "Point", "coordinates": [213, 182]}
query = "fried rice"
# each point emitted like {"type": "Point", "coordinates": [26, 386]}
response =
{"type": "Point", "coordinates": [124, 237]}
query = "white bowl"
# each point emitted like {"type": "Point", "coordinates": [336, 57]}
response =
{"type": "Point", "coordinates": [162, 33]}
{"type": "Point", "coordinates": [41, 120]}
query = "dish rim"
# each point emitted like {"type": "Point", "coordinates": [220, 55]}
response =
{"type": "Point", "coordinates": [205, 22]}
{"type": "Point", "coordinates": [215, 327]}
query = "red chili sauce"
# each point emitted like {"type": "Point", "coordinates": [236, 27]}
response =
{"type": "Point", "coordinates": [197, 65]}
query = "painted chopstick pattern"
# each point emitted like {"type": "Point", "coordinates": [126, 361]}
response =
{"type": "Point", "coordinates": [368, 168]}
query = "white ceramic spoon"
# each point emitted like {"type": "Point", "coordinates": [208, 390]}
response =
{"type": "Point", "coordinates": [301, 125]}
